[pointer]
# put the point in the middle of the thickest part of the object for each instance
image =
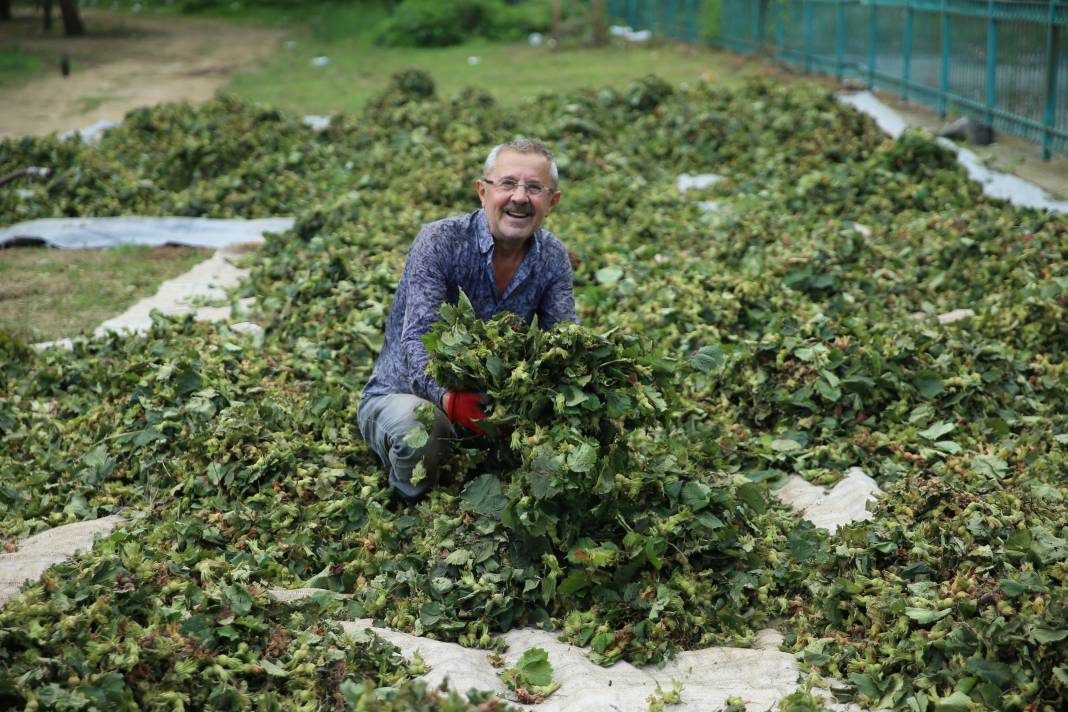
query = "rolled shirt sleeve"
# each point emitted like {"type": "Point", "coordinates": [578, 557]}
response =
{"type": "Point", "coordinates": [425, 273]}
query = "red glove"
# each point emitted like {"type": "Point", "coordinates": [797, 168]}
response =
{"type": "Point", "coordinates": [464, 408]}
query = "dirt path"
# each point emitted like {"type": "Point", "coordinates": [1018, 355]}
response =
{"type": "Point", "coordinates": [125, 62]}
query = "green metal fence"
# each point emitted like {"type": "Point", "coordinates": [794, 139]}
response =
{"type": "Point", "coordinates": [1004, 62]}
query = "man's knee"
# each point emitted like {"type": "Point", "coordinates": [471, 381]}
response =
{"type": "Point", "coordinates": [388, 425]}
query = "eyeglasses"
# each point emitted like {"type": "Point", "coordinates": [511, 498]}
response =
{"type": "Point", "coordinates": [508, 185]}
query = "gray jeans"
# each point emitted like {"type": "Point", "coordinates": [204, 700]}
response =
{"type": "Point", "coordinates": [385, 420]}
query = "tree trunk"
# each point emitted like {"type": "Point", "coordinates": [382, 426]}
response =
{"type": "Point", "coordinates": [556, 25]}
{"type": "Point", "coordinates": [46, 9]}
{"type": "Point", "coordinates": [600, 27]}
{"type": "Point", "coordinates": [72, 20]}
{"type": "Point", "coordinates": [5, 9]}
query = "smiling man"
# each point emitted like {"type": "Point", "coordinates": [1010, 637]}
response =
{"type": "Point", "coordinates": [503, 261]}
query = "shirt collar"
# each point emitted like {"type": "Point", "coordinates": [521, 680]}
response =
{"type": "Point", "coordinates": [485, 237]}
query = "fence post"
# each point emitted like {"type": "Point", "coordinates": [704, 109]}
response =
{"type": "Point", "coordinates": [906, 65]}
{"type": "Point", "coordinates": [1052, 53]}
{"type": "Point", "coordinates": [991, 62]}
{"type": "Point", "coordinates": [943, 80]}
{"type": "Point", "coordinates": [873, 38]}
{"type": "Point", "coordinates": [694, 18]}
{"type": "Point", "coordinates": [754, 26]}
{"type": "Point", "coordinates": [778, 30]}
{"type": "Point", "coordinates": [670, 30]}
{"type": "Point", "coordinates": [806, 22]}
{"type": "Point", "coordinates": [839, 40]}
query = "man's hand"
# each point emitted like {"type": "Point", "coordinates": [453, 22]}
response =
{"type": "Point", "coordinates": [465, 408]}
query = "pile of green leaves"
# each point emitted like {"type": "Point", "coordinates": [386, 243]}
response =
{"type": "Point", "coordinates": [596, 515]}
{"type": "Point", "coordinates": [122, 630]}
{"type": "Point", "coordinates": [794, 330]}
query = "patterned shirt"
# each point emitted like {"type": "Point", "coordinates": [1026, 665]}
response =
{"type": "Point", "coordinates": [453, 254]}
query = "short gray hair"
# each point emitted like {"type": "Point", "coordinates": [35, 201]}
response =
{"type": "Point", "coordinates": [522, 145]}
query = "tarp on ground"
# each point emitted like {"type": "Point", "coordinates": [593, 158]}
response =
{"type": "Point", "coordinates": [1004, 186]}
{"type": "Point", "coordinates": [70, 233]}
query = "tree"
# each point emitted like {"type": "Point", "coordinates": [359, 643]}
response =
{"type": "Point", "coordinates": [555, 5]}
{"type": "Point", "coordinates": [72, 19]}
{"type": "Point", "coordinates": [600, 28]}
{"type": "Point", "coordinates": [5, 9]}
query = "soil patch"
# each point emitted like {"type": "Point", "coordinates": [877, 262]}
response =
{"type": "Point", "coordinates": [124, 62]}
{"type": "Point", "coordinates": [49, 293]}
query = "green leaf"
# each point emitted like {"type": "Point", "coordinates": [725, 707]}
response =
{"type": "Point", "coordinates": [937, 430]}
{"type": "Point", "coordinates": [995, 673]}
{"type": "Point", "coordinates": [957, 702]}
{"type": "Point", "coordinates": [96, 457]}
{"type": "Point", "coordinates": [495, 367]}
{"type": "Point", "coordinates": [533, 672]}
{"type": "Point", "coordinates": [989, 466]}
{"type": "Point", "coordinates": [483, 495]}
{"type": "Point", "coordinates": [923, 616]}
{"type": "Point", "coordinates": [696, 495]}
{"type": "Point", "coordinates": [417, 437]}
{"type": "Point", "coordinates": [752, 496]}
{"type": "Point", "coordinates": [582, 459]}
{"type": "Point", "coordinates": [1026, 584]}
{"type": "Point", "coordinates": [575, 581]}
{"type": "Point", "coordinates": [829, 392]}
{"type": "Point", "coordinates": [273, 669]}
{"type": "Point", "coordinates": [188, 381]}
{"type": "Point", "coordinates": [785, 445]}
{"type": "Point", "coordinates": [1047, 546]}
{"type": "Point", "coordinates": [430, 613]}
{"type": "Point", "coordinates": [609, 275]}
{"type": "Point", "coordinates": [929, 386]}
{"type": "Point", "coordinates": [1042, 636]}
{"type": "Point", "coordinates": [654, 549]}
{"type": "Point", "coordinates": [865, 685]}
{"type": "Point", "coordinates": [708, 359]}
{"type": "Point", "coordinates": [239, 599]}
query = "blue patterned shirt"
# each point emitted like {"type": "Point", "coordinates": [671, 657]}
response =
{"type": "Point", "coordinates": [453, 254]}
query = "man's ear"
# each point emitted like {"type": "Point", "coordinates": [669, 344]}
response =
{"type": "Point", "coordinates": [553, 201]}
{"type": "Point", "coordinates": [480, 190]}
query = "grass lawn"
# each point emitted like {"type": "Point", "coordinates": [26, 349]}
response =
{"type": "Point", "coordinates": [511, 72]}
{"type": "Point", "coordinates": [514, 71]}
{"type": "Point", "coordinates": [48, 294]}
{"type": "Point", "coordinates": [17, 66]}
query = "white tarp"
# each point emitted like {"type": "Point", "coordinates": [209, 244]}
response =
{"type": "Point", "coordinates": [135, 230]}
{"type": "Point", "coordinates": [91, 133]}
{"type": "Point", "coordinates": [761, 675]}
{"type": "Point", "coordinates": [35, 554]}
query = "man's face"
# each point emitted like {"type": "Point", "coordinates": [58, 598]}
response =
{"type": "Point", "coordinates": [514, 216]}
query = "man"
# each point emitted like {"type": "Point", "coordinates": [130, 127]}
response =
{"type": "Point", "coordinates": [503, 261]}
